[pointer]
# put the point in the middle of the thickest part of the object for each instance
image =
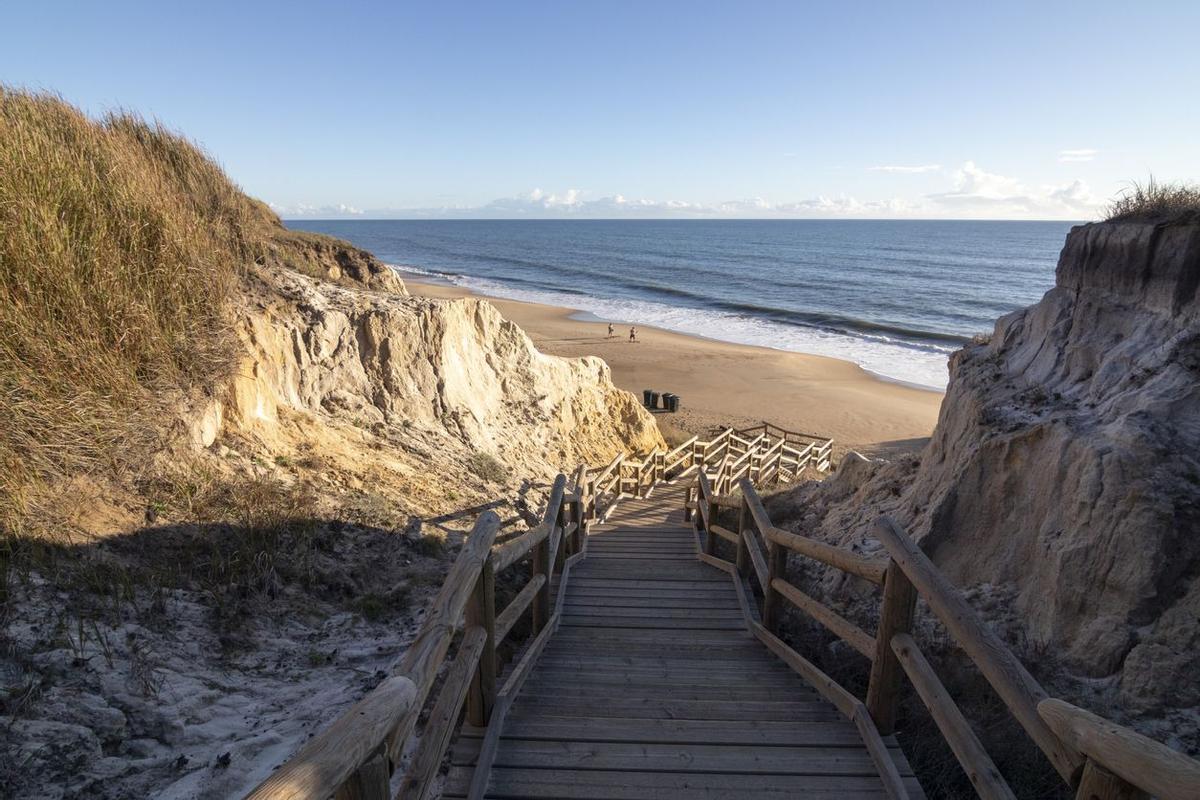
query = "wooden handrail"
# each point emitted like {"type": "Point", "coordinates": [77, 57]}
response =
{"type": "Point", "coordinates": [681, 448]}
{"type": "Point", "coordinates": [615, 464]}
{"type": "Point", "coordinates": [975, 761]}
{"type": "Point", "coordinates": [846, 630]}
{"type": "Point", "coordinates": [329, 759]}
{"type": "Point", "coordinates": [1007, 675]}
{"type": "Point", "coordinates": [1138, 760]}
{"type": "Point", "coordinates": [1106, 761]}
{"type": "Point", "coordinates": [514, 550]}
{"type": "Point", "coordinates": [831, 555]}
{"type": "Point", "coordinates": [440, 727]}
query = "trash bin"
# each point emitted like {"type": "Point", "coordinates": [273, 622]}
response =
{"type": "Point", "coordinates": [666, 401]}
{"type": "Point", "coordinates": [674, 404]}
{"type": "Point", "coordinates": [646, 397]}
{"type": "Point", "coordinates": [654, 399]}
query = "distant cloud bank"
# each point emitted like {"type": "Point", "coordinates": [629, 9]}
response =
{"type": "Point", "coordinates": [908, 170]}
{"type": "Point", "coordinates": [1075, 156]}
{"type": "Point", "coordinates": [972, 192]}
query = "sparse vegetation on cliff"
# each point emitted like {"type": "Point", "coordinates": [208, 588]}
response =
{"type": "Point", "coordinates": [120, 245]}
{"type": "Point", "coordinates": [1157, 202]}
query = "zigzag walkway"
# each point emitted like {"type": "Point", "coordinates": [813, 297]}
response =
{"type": "Point", "coordinates": [653, 688]}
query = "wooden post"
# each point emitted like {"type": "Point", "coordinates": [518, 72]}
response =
{"type": "Point", "coordinates": [705, 512]}
{"type": "Point", "coordinates": [579, 518]}
{"type": "Point", "coordinates": [1098, 783]}
{"type": "Point", "coordinates": [895, 616]}
{"type": "Point", "coordinates": [560, 555]}
{"type": "Point", "coordinates": [776, 569]}
{"type": "Point", "coordinates": [689, 495]}
{"type": "Point", "coordinates": [743, 552]}
{"type": "Point", "coordinates": [372, 781]}
{"type": "Point", "coordinates": [541, 603]}
{"type": "Point", "coordinates": [482, 612]}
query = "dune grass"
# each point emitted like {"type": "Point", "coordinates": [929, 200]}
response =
{"type": "Point", "coordinates": [120, 244]}
{"type": "Point", "coordinates": [1157, 202]}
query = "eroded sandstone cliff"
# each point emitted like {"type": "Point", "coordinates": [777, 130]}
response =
{"type": "Point", "coordinates": [395, 388]}
{"type": "Point", "coordinates": [1062, 483]}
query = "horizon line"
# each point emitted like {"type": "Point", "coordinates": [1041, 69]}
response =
{"type": "Point", "coordinates": [357, 218]}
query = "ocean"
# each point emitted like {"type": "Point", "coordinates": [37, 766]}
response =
{"type": "Point", "coordinates": [895, 297]}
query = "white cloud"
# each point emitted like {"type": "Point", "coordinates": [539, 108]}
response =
{"type": "Point", "coordinates": [1072, 156]}
{"type": "Point", "coordinates": [319, 212]}
{"type": "Point", "coordinates": [971, 192]}
{"type": "Point", "coordinates": [907, 170]}
{"type": "Point", "coordinates": [983, 194]}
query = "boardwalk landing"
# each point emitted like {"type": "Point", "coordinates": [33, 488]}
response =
{"type": "Point", "coordinates": [653, 688]}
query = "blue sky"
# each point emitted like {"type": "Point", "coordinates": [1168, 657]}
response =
{"type": "Point", "coordinates": [1014, 110]}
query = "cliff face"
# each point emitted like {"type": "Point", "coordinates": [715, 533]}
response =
{"type": "Point", "coordinates": [402, 392]}
{"type": "Point", "coordinates": [1063, 476]}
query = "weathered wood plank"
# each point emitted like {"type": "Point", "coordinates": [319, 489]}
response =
{"type": "Point", "coordinates": [541, 784]}
{"type": "Point", "coordinates": [702, 758]}
{"type": "Point", "coordinates": [602, 729]}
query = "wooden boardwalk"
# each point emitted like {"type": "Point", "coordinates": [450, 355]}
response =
{"type": "Point", "coordinates": [654, 687]}
{"type": "Point", "coordinates": [650, 674]}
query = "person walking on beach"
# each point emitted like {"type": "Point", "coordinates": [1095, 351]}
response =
{"type": "Point", "coordinates": [611, 331]}
{"type": "Point", "coordinates": [632, 334]}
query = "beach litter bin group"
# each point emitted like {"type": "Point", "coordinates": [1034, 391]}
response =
{"type": "Point", "coordinates": [670, 401]}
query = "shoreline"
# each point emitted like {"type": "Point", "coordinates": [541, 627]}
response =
{"type": "Point", "coordinates": [722, 383]}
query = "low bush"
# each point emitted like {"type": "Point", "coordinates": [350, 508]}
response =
{"type": "Point", "coordinates": [488, 467]}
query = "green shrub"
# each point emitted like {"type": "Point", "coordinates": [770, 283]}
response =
{"type": "Point", "coordinates": [488, 467]}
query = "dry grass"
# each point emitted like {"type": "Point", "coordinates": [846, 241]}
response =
{"type": "Point", "coordinates": [488, 467]}
{"type": "Point", "coordinates": [1157, 202]}
{"type": "Point", "coordinates": [120, 244]}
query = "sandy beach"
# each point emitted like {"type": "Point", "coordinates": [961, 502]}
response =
{"type": "Point", "coordinates": [728, 384]}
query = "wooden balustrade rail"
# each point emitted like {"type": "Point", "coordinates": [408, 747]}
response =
{"type": "Point", "coordinates": [1102, 760]}
{"type": "Point", "coordinates": [356, 755]}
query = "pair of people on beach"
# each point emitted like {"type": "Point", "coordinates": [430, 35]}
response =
{"type": "Point", "coordinates": [632, 332]}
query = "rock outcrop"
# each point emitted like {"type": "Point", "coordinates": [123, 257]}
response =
{"type": "Point", "coordinates": [390, 387]}
{"type": "Point", "coordinates": [1064, 474]}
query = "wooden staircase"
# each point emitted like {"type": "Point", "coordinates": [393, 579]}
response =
{"type": "Point", "coordinates": [649, 672]}
{"type": "Point", "coordinates": [653, 687]}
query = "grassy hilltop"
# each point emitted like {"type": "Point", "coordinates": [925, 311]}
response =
{"type": "Point", "coordinates": [121, 245]}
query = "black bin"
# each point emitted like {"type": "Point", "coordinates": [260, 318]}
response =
{"type": "Point", "coordinates": [666, 398]}
{"type": "Point", "coordinates": [646, 393]}
{"type": "Point", "coordinates": [654, 399]}
{"type": "Point", "coordinates": [674, 404]}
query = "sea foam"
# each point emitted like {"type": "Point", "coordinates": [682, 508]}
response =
{"type": "Point", "coordinates": [921, 365]}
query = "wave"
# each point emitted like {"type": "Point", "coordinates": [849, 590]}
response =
{"type": "Point", "coordinates": [916, 363]}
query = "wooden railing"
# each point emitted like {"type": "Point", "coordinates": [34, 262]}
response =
{"type": "Point", "coordinates": [355, 756]}
{"type": "Point", "coordinates": [1102, 760]}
